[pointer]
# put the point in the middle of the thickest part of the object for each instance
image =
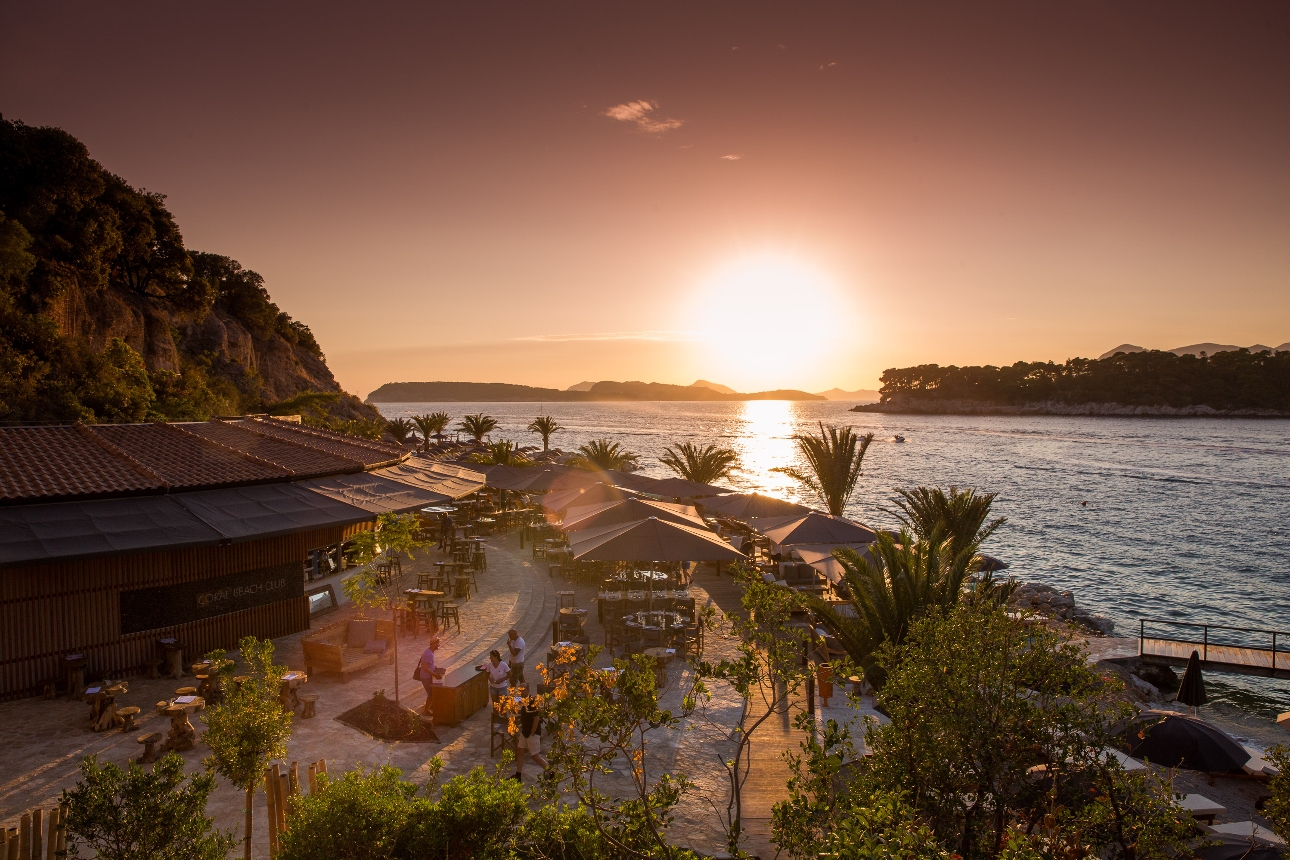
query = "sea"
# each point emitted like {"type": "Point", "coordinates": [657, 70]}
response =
{"type": "Point", "coordinates": [1171, 519]}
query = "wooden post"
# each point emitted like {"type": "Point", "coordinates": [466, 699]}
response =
{"type": "Point", "coordinates": [62, 830]}
{"type": "Point", "coordinates": [24, 836]}
{"type": "Point", "coordinates": [11, 844]}
{"type": "Point", "coordinates": [272, 812]}
{"type": "Point", "coordinates": [248, 801]}
{"type": "Point", "coordinates": [294, 778]}
{"type": "Point", "coordinates": [313, 777]}
{"type": "Point", "coordinates": [37, 833]}
{"type": "Point", "coordinates": [322, 765]}
{"type": "Point", "coordinates": [282, 803]}
{"type": "Point", "coordinates": [55, 822]}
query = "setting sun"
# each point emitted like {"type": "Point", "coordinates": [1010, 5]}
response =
{"type": "Point", "coordinates": [769, 321]}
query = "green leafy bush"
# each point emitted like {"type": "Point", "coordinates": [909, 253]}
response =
{"type": "Point", "coordinates": [357, 817]}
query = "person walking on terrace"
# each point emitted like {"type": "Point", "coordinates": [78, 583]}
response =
{"type": "Point", "coordinates": [529, 739]}
{"type": "Point", "coordinates": [427, 673]}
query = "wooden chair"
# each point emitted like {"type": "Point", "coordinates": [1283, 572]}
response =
{"type": "Point", "coordinates": [568, 598]}
{"type": "Point", "coordinates": [450, 613]}
{"type": "Point", "coordinates": [615, 634]}
{"type": "Point", "coordinates": [499, 735]}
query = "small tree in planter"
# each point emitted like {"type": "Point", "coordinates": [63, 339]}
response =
{"type": "Point", "coordinates": [369, 589]}
{"type": "Point", "coordinates": [249, 728]}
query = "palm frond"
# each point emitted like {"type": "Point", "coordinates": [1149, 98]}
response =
{"type": "Point", "coordinates": [834, 460]}
{"type": "Point", "coordinates": [544, 425]}
{"type": "Point", "coordinates": [606, 455]}
{"type": "Point", "coordinates": [478, 426]}
{"type": "Point", "coordinates": [702, 465]}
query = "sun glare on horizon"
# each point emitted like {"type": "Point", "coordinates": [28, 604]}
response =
{"type": "Point", "coordinates": [770, 322]}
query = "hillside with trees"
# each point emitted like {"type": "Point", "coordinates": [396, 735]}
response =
{"type": "Point", "coordinates": [106, 316]}
{"type": "Point", "coordinates": [1236, 382]}
{"type": "Point", "coordinates": [502, 392]}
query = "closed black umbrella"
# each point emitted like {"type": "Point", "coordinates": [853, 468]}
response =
{"type": "Point", "coordinates": [1173, 740]}
{"type": "Point", "coordinates": [1192, 691]}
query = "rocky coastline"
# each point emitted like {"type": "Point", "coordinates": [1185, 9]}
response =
{"type": "Point", "coordinates": [907, 406]}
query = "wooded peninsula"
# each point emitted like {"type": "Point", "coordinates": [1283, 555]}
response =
{"type": "Point", "coordinates": [501, 392]}
{"type": "Point", "coordinates": [1152, 382]}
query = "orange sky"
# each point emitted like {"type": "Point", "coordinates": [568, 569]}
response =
{"type": "Point", "coordinates": [761, 195]}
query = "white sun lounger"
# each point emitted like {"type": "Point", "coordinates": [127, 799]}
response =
{"type": "Point", "coordinates": [1249, 830]}
{"type": "Point", "coordinates": [1258, 765]}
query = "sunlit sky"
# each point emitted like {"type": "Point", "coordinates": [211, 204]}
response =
{"type": "Point", "coordinates": [762, 195]}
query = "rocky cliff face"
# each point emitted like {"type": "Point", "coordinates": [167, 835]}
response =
{"type": "Point", "coordinates": [270, 368]}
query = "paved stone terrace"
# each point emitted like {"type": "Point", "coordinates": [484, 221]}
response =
{"type": "Point", "coordinates": [44, 741]}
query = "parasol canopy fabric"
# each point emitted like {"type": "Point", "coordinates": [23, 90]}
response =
{"type": "Point", "coordinates": [1192, 690]}
{"type": "Point", "coordinates": [742, 506]}
{"type": "Point", "coordinates": [653, 540]}
{"type": "Point", "coordinates": [680, 488]}
{"type": "Point", "coordinates": [820, 556]}
{"type": "Point", "coordinates": [1174, 740]}
{"type": "Point", "coordinates": [812, 528]}
{"type": "Point", "coordinates": [595, 494]}
{"type": "Point", "coordinates": [629, 510]}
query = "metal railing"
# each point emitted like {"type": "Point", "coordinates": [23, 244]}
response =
{"type": "Point", "coordinates": [1204, 643]}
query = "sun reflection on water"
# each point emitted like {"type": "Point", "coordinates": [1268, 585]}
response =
{"type": "Point", "coordinates": [764, 442]}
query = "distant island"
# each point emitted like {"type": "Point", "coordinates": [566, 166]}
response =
{"type": "Point", "coordinates": [1148, 382]}
{"type": "Point", "coordinates": [502, 392]}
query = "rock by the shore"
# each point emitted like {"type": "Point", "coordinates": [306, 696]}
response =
{"type": "Point", "coordinates": [1059, 606]}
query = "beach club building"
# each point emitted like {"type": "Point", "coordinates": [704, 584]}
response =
{"type": "Point", "coordinates": [121, 542]}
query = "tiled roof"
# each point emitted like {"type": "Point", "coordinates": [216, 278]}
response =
{"type": "Point", "coordinates": [184, 460]}
{"type": "Point", "coordinates": [42, 464]}
{"type": "Point", "coordinates": [49, 462]}
{"type": "Point", "coordinates": [302, 459]}
{"type": "Point", "coordinates": [370, 454]}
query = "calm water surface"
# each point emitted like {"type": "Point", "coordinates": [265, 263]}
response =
{"type": "Point", "coordinates": [1185, 518]}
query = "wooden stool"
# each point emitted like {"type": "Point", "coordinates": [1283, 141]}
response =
{"type": "Point", "coordinates": [309, 700]}
{"type": "Point", "coordinates": [149, 742]}
{"type": "Point", "coordinates": [568, 599]}
{"type": "Point", "coordinates": [128, 714]}
{"type": "Point", "coordinates": [161, 707]}
{"type": "Point", "coordinates": [450, 613]}
{"type": "Point", "coordinates": [186, 691]}
{"type": "Point", "coordinates": [152, 668]}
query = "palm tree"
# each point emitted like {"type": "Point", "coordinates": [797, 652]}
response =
{"type": "Point", "coordinates": [544, 425]}
{"type": "Point", "coordinates": [834, 459]}
{"type": "Point", "coordinates": [702, 465]}
{"type": "Point", "coordinates": [426, 427]}
{"type": "Point", "coordinates": [478, 425]}
{"type": "Point", "coordinates": [605, 455]}
{"type": "Point", "coordinates": [959, 514]}
{"type": "Point", "coordinates": [902, 580]}
{"type": "Point", "coordinates": [400, 429]}
{"type": "Point", "coordinates": [502, 453]}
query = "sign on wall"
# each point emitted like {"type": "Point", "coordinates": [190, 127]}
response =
{"type": "Point", "coordinates": [168, 605]}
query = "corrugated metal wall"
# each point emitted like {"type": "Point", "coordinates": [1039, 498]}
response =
{"type": "Point", "coordinates": [49, 610]}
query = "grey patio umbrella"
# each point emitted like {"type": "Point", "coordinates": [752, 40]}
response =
{"type": "Point", "coordinates": [741, 506]}
{"type": "Point", "coordinates": [1173, 740]}
{"type": "Point", "coordinates": [1192, 691]}
{"type": "Point", "coordinates": [653, 539]}
{"type": "Point", "coordinates": [581, 517]}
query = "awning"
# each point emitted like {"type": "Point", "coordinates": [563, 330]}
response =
{"type": "Point", "coordinates": [371, 492]}
{"type": "Point", "coordinates": [268, 510]}
{"type": "Point", "coordinates": [35, 533]}
{"type": "Point", "coordinates": [456, 482]}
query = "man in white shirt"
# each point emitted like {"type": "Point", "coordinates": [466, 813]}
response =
{"type": "Point", "coordinates": [516, 645]}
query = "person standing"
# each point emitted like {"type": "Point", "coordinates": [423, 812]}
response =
{"type": "Point", "coordinates": [516, 645]}
{"type": "Point", "coordinates": [498, 674]}
{"type": "Point", "coordinates": [529, 739]}
{"type": "Point", "coordinates": [427, 672]}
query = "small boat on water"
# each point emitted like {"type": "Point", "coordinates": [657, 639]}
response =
{"type": "Point", "coordinates": [898, 438]}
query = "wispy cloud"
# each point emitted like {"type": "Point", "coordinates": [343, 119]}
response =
{"type": "Point", "coordinates": [641, 113]}
{"type": "Point", "coordinates": [612, 335]}
{"type": "Point", "coordinates": [731, 157]}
